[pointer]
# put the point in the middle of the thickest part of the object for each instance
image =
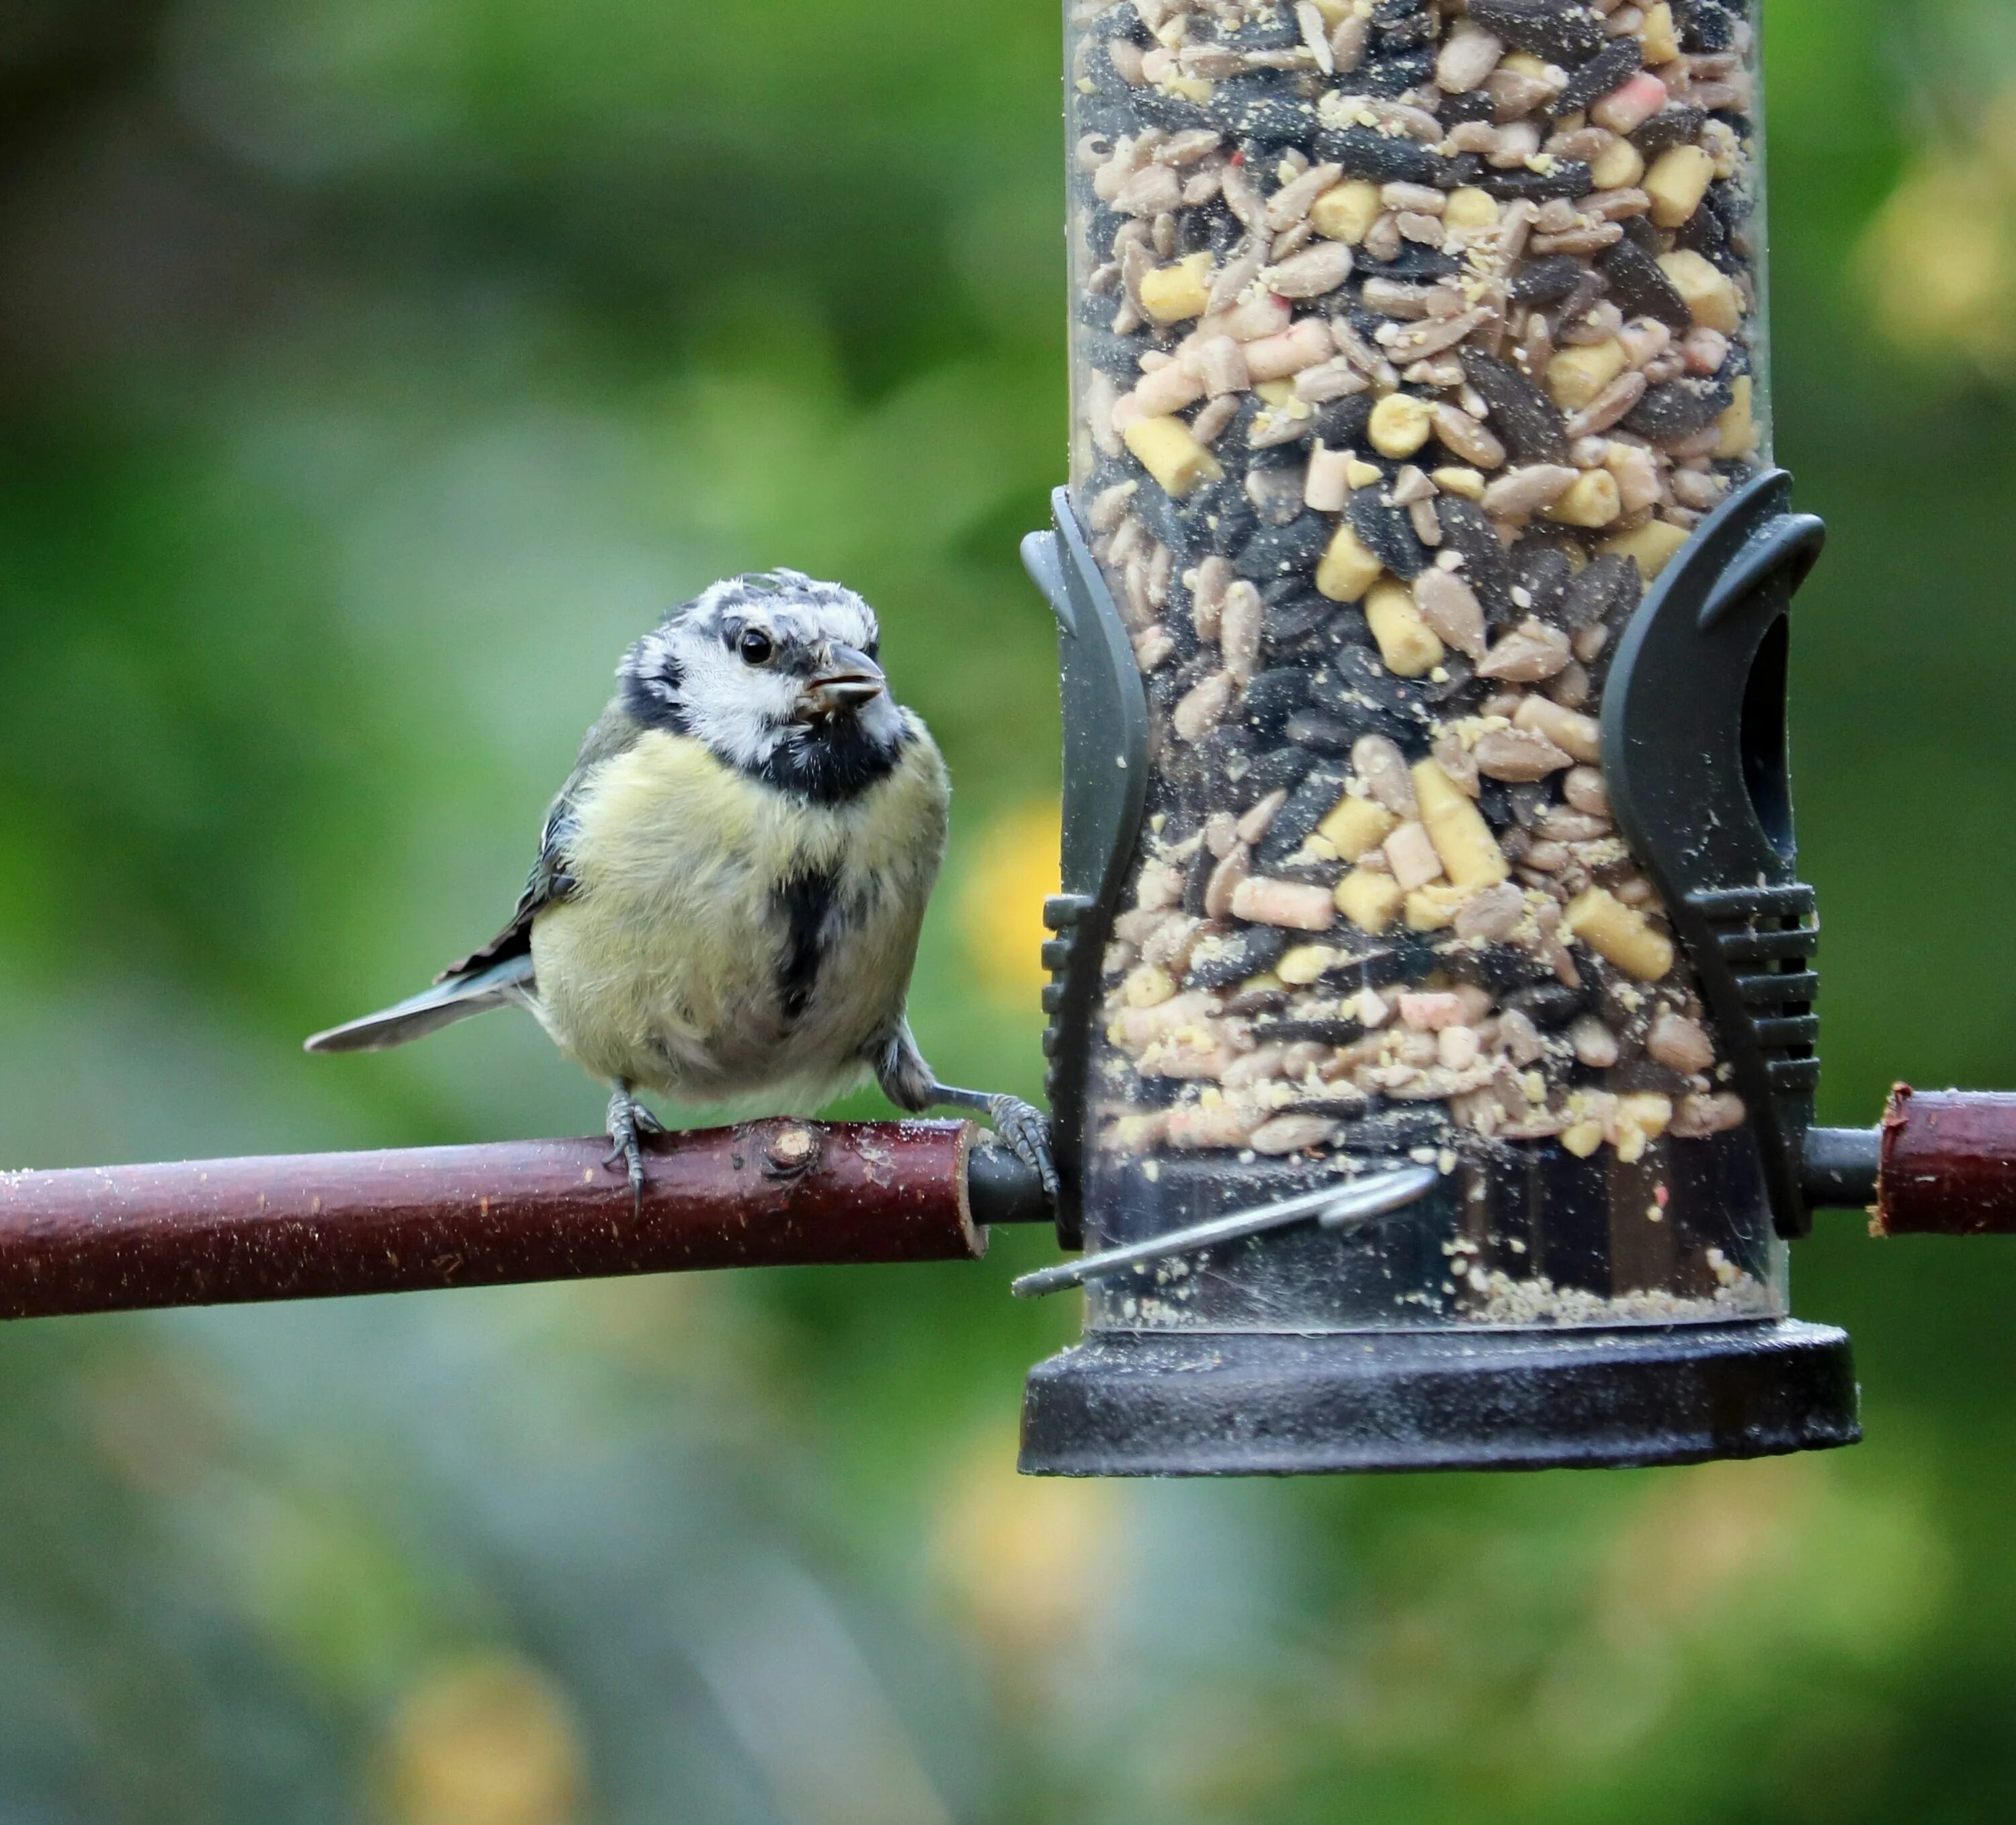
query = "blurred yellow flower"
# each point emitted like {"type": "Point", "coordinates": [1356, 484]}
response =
{"type": "Point", "coordinates": [1027, 1561]}
{"type": "Point", "coordinates": [483, 1741]}
{"type": "Point", "coordinates": [1013, 871]}
{"type": "Point", "coordinates": [1938, 261]}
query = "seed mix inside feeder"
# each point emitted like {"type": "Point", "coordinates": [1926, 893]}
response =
{"type": "Point", "coordinates": [1432, 1043]}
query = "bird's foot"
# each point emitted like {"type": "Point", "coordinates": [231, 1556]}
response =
{"type": "Point", "coordinates": [1027, 1133]}
{"type": "Point", "coordinates": [629, 1121]}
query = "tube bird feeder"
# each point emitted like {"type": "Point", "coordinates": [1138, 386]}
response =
{"type": "Point", "coordinates": [1432, 1044]}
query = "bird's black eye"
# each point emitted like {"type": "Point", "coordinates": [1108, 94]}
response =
{"type": "Point", "coordinates": [755, 647]}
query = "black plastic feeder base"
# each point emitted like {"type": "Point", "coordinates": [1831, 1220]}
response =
{"type": "Point", "coordinates": [1145, 1404]}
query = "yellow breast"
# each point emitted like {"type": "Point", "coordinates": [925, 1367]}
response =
{"type": "Point", "coordinates": [664, 966]}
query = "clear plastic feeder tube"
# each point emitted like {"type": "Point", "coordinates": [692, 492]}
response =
{"type": "Point", "coordinates": [1411, 341]}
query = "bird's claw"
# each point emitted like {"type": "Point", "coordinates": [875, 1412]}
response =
{"type": "Point", "coordinates": [1027, 1135]}
{"type": "Point", "coordinates": [629, 1121]}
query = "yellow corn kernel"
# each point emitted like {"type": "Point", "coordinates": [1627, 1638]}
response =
{"type": "Point", "coordinates": [1662, 43]}
{"type": "Point", "coordinates": [1647, 1109]}
{"type": "Point", "coordinates": [1620, 933]}
{"type": "Point", "coordinates": [1582, 1139]}
{"type": "Point", "coordinates": [1471, 856]}
{"type": "Point", "coordinates": [1148, 987]}
{"type": "Point", "coordinates": [1305, 963]}
{"type": "Point", "coordinates": [1676, 183]}
{"type": "Point", "coordinates": [1359, 473]}
{"type": "Point", "coordinates": [1346, 212]}
{"type": "Point", "coordinates": [1738, 424]}
{"type": "Point", "coordinates": [1356, 826]}
{"type": "Point", "coordinates": [1399, 425]}
{"type": "Point", "coordinates": [1368, 899]}
{"type": "Point", "coordinates": [1434, 908]}
{"type": "Point", "coordinates": [1170, 294]}
{"type": "Point", "coordinates": [1274, 392]}
{"type": "Point", "coordinates": [1469, 209]}
{"type": "Point", "coordinates": [1524, 63]}
{"type": "Point", "coordinates": [1457, 480]}
{"type": "Point", "coordinates": [1347, 570]}
{"type": "Point", "coordinates": [1637, 1121]}
{"type": "Point", "coordinates": [1407, 644]}
{"type": "Point", "coordinates": [1592, 500]}
{"type": "Point", "coordinates": [1617, 167]}
{"type": "Point", "coordinates": [1575, 375]}
{"type": "Point", "coordinates": [1166, 449]}
{"type": "Point", "coordinates": [1652, 547]}
{"type": "Point", "coordinates": [1189, 88]}
{"type": "Point", "coordinates": [1709, 294]}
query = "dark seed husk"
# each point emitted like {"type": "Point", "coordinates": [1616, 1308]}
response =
{"type": "Point", "coordinates": [1196, 878]}
{"type": "Point", "coordinates": [1260, 111]}
{"type": "Point", "coordinates": [1544, 572]}
{"type": "Point", "coordinates": [1337, 1031]}
{"type": "Point", "coordinates": [1458, 676]}
{"type": "Point", "coordinates": [1318, 729]}
{"type": "Point", "coordinates": [1704, 233]}
{"type": "Point", "coordinates": [1678, 123]}
{"type": "Point", "coordinates": [1467, 529]}
{"type": "Point", "coordinates": [1121, 21]}
{"type": "Point", "coordinates": [1567, 177]}
{"type": "Point", "coordinates": [1307, 805]}
{"type": "Point", "coordinates": [1365, 153]}
{"type": "Point", "coordinates": [1414, 265]}
{"type": "Point", "coordinates": [1475, 104]}
{"type": "Point", "coordinates": [1343, 422]}
{"type": "Point", "coordinates": [1608, 590]}
{"type": "Point", "coordinates": [1353, 682]}
{"type": "Point", "coordinates": [1557, 29]}
{"type": "Point", "coordinates": [1640, 287]}
{"type": "Point", "coordinates": [1638, 230]}
{"type": "Point", "coordinates": [1705, 25]}
{"type": "Point", "coordinates": [1118, 356]}
{"type": "Point", "coordinates": [1549, 280]}
{"type": "Point", "coordinates": [1678, 409]}
{"type": "Point", "coordinates": [1528, 798]}
{"type": "Point", "coordinates": [1498, 967]}
{"type": "Point", "coordinates": [1528, 421]}
{"type": "Point", "coordinates": [1616, 64]}
{"type": "Point", "coordinates": [1494, 801]}
{"type": "Point", "coordinates": [1246, 952]}
{"type": "Point", "coordinates": [1277, 768]}
{"type": "Point", "coordinates": [1397, 1131]}
{"type": "Point", "coordinates": [1290, 611]}
{"type": "Point", "coordinates": [1274, 696]}
{"type": "Point", "coordinates": [1396, 73]}
{"type": "Point", "coordinates": [1283, 551]}
{"type": "Point", "coordinates": [1547, 1004]}
{"type": "Point", "coordinates": [1158, 108]}
{"type": "Point", "coordinates": [1163, 517]}
{"type": "Point", "coordinates": [1388, 533]}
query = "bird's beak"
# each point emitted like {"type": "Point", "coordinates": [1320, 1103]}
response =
{"type": "Point", "coordinates": [850, 679]}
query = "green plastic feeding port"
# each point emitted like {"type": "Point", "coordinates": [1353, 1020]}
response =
{"type": "Point", "coordinates": [1432, 1040]}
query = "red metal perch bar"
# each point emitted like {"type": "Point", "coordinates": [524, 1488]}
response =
{"type": "Point", "coordinates": [765, 1194]}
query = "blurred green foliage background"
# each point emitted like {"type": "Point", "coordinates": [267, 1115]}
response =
{"type": "Point", "coordinates": [371, 371]}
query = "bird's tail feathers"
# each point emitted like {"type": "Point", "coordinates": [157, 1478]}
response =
{"type": "Point", "coordinates": [501, 985]}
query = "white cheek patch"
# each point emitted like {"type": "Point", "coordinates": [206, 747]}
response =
{"type": "Point", "coordinates": [739, 711]}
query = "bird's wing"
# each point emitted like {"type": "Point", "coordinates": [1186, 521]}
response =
{"type": "Point", "coordinates": [549, 881]}
{"type": "Point", "coordinates": [500, 973]}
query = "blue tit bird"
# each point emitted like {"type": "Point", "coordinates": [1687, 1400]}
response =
{"type": "Point", "coordinates": [729, 888]}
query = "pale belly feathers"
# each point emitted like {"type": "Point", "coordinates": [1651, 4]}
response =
{"type": "Point", "coordinates": [726, 942]}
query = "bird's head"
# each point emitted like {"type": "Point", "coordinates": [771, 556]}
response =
{"type": "Point", "coordinates": [776, 673]}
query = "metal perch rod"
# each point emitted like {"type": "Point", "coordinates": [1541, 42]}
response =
{"type": "Point", "coordinates": [771, 1193]}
